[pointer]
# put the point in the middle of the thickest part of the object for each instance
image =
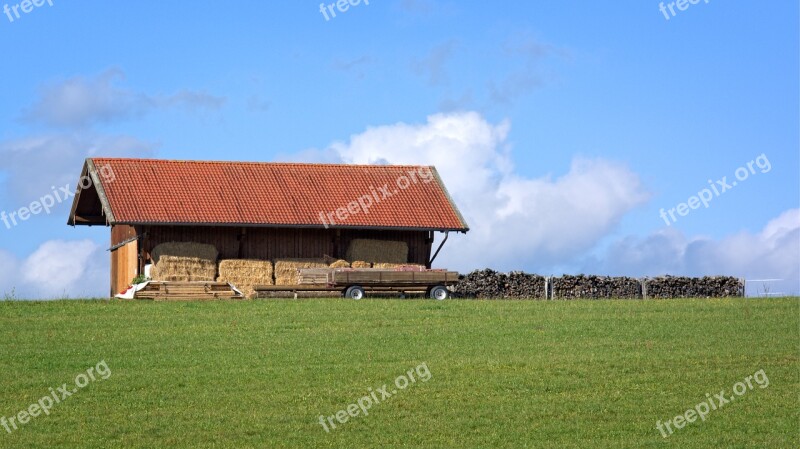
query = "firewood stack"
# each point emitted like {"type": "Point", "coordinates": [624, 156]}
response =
{"type": "Point", "coordinates": [686, 287]}
{"type": "Point", "coordinates": [490, 284]}
{"type": "Point", "coordinates": [596, 287]}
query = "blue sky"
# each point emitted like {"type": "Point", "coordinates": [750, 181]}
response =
{"type": "Point", "coordinates": [562, 128]}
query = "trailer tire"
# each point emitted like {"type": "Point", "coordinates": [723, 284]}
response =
{"type": "Point", "coordinates": [355, 292]}
{"type": "Point", "coordinates": [439, 293]}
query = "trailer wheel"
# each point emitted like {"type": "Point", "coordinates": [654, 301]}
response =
{"type": "Point", "coordinates": [354, 292]}
{"type": "Point", "coordinates": [439, 293]}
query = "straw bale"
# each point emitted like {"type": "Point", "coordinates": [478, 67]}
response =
{"type": "Point", "coordinates": [178, 268]}
{"type": "Point", "coordinates": [340, 264]}
{"type": "Point", "coordinates": [361, 264]}
{"type": "Point", "coordinates": [287, 270]}
{"type": "Point", "coordinates": [378, 251]}
{"type": "Point", "coordinates": [184, 249]}
{"type": "Point", "coordinates": [390, 266]}
{"type": "Point", "coordinates": [245, 273]}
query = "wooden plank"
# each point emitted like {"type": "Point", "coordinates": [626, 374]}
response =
{"type": "Point", "coordinates": [180, 291]}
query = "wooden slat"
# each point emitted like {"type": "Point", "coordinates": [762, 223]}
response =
{"type": "Point", "coordinates": [187, 291]}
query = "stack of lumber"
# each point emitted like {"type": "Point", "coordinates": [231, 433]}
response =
{"type": "Point", "coordinates": [313, 276]}
{"type": "Point", "coordinates": [245, 273]}
{"type": "Point", "coordinates": [370, 250]}
{"type": "Point", "coordinates": [186, 291]}
{"type": "Point", "coordinates": [686, 287]}
{"type": "Point", "coordinates": [184, 262]}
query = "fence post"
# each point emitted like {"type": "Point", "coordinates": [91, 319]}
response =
{"type": "Point", "coordinates": [643, 281]}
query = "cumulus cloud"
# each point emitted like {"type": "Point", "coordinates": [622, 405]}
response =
{"type": "Point", "coordinates": [82, 101]}
{"type": "Point", "coordinates": [772, 253]}
{"type": "Point", "coordinates": [8, 271]}
{"type": "Point", "coordinates": [515, 221]}
{"type": "Point", "coordinates": [33, 165]}
{"type": "Point", "coordinates": [555, 222]}
{"type": "Point", "coordinates": [56, 269]}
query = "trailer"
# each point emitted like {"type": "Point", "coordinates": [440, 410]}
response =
{"type": "Point", "coordinates": [353, 283]}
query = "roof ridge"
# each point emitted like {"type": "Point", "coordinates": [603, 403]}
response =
{"type": "Point", "coordinates": [215, 162]}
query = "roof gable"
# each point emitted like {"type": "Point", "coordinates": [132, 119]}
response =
{"type": "Point", "coordinates": [150, 191]}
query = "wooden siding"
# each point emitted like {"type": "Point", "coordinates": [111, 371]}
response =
{"type": "Point", "coordinates": [124, 260]}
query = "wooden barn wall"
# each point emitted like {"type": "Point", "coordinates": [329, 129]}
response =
{"type": "Point", "coordinates": [419, 249]}
{"type": "Point", "coordinates": [271, 243]}
{"type": "Point", "coordinates": [124, 260]}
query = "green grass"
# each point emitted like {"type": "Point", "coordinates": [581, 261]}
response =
{"type": "Point", "coordinates": [504, 374]}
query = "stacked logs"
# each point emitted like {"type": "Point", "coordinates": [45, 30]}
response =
{"type": "Point", "coordinates": [523, 285]}
{"type": "Point", "coordinates": [596, 287]}
{"type": "Point", "coordinates": [490, 284]}
{"type": "Point", "coordinates": [486, 283]}
{"type": "Point", "coordinates": [686, 287]}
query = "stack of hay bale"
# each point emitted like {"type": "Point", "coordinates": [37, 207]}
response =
{"type": "Point", "coordinates": [184, 262]}
{"type": "Point", "coordinates": [244, 274]}
{"type": "Point", "coordinates": [377, 251]}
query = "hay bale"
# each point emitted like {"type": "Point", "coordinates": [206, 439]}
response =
{"type": "Point", "coordinates": [340, 264]}
{"type": "Point", "coordinates": [184, 262]}
{"type": "Point", "coordinates": [287, 271]}
{"type": "Point", "coordinates": [184, 249]}
{"type": "Point", "coordinates": [392, 266]}
{"type": "Point", "coordinates": [184, 269]}
{"type": "Point", "coordinates": [385, 251]}
{"type": "Point", "coordinates": [361, 264]}
{"type": "Point", "coordinates": [245, 273]}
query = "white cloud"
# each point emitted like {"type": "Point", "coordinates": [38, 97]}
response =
{"type": "Point", "coordinates": [81, 101]}
{"type": "Point", "coordinates": [59, 267]}
{"type": "Point", "coordinates": [33, 165]}
{"type": "Point", "coordinates": [515, 221]}
{"type": "Point", "coordinates": [772, 253]}
{"type": "Point", "coordinates": [8, 274]}
{"type": "Point", "coordinates": [56, 269]}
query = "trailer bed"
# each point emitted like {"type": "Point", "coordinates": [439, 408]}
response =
{"type": "Point", "coordinates": [368, 279]}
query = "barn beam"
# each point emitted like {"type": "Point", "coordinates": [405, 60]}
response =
{"type": "Point", "coordinates": [430, 262]}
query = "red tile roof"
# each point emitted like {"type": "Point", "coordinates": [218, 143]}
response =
{"type": "Point", "coordinates": [274, 194]}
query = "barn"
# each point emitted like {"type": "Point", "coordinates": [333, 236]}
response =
{"type": "Point", "coordinates": [261, 211]}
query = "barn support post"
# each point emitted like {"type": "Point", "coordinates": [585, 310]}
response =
{"type": "Point", "coordinates": [430, 262]}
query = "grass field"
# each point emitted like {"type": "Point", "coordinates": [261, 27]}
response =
{"type": "Point", "coordinates": [503, 374]}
